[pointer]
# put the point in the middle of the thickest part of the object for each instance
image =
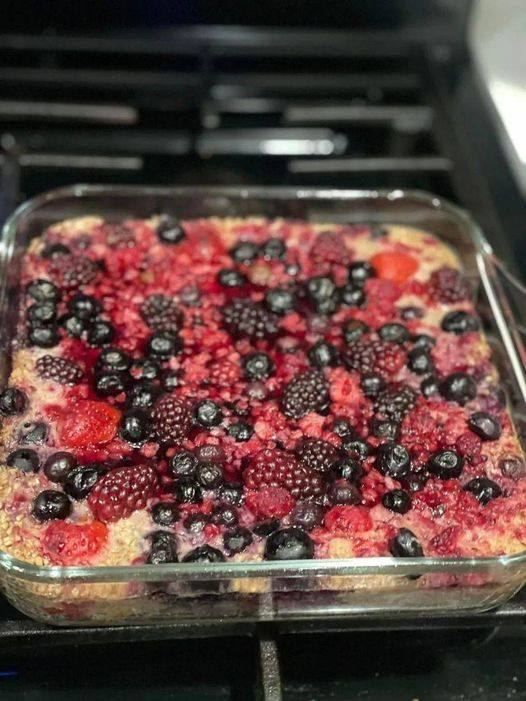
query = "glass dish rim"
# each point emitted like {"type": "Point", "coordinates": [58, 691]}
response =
{"type": "Point", "coordinates": [293, 568]}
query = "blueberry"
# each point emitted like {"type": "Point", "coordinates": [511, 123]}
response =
{"type": "Point", "coordinates": [209, 452]}
{"type": "Point", "coordinates": [44, 291]}
{"type": "Point", "coordinates": [231, 278]}
{"type": "Point", "coordinates": [280, 301]}
{"type": "Point", "coordinates": [225, 515]}
{"type": "Point", "coordinates": [169, 230]}
{"type": "Point", "coordinates": [231, 493]}
{"type": "Point", "coordinates": [419, 361]}
{"type": "Point", "coordinates": [392, 459]}
{"type": "Point", "coordinates": [207, 413]}
{"type": "Point", "coordinates": [385, 429]}
{"type": "Point", "coordinates": [395, 333]}
{"type": "Point", "coordinates": [209, 475]}
{"type": "Point", "coordinates": [24, 459]}
{"type": "Point", "coordinates": [349, 469]}
{"type": "Point", "coordinates": [485, 426]}
{"type": "Point", "coordinates": [170, 380]}
{"type": "Point", "coordinates": [54, 250]}
{"type": "Point", "coordinates": [241, 432]}
{"type": "Point", "coordinates": [289, 544]}
{"type": "Point", "coordinates": [459, 322]}
{"type": "Point", "coordinates": [204, 553]}
{"type": "Point", "coordinates": [273, 249]}
{"type": "Point", "coordinates": [12, 401]}
{"type": "Point", "coordinates": [244, 252]}
{"type": "Point", "coordinates": [512, 466]}
{"type": "Point", "coordinates": [145, 369]}
{"type": "Point", "coordinates": [35, 433]}
{"type": "Point", "coordinates": [416, 481]}
{"type": "Point", "coordinates": [372, 384]}
{"type": "Point", "coordinates": [113, 359]}
{"type": "Point", "coordinates": [360, 271]}
{"type": "Point", "coordinates": [323, 354]}
{"type": "Point", "coordinates": [59, 465]}
{"type": "Point", "coordinates": [265, 528]}
{"type": "Point", "coordinates": [458, 387]}
{"type": "Point", "coordinates": [80, 480]}
{"type": "Point", "coordinates": [195, 523]}
{"type": "Point", "coordinates": [257, 366]}
{"type": "Point", "coordinates": [351, 296]}
{"type": "Point", "coordinates": [183, 464]}
{"type": "Point", "coordinates": [356, 448]}
{"type": "Point", "coordinates": [306, 515]}
{"type": "Point", "coordinates": [187, 491]}
{"type": "Point", "coordinates": [323, 294]}
{"type": "Point", "coordinates": [109, 384]}
{"type": "Point", "coordinates": [410, 313]}
{"type": "Point", "coordinates": [164, 345]}
{"type": "Point", "coordinates": [73, 326]}
{"type": "Point", "coordinates": [342, 492]}
{"type": "Point", "coordinates": [84, 306]}
{"type": "Point", "coordinates": [483, 489]}
{"type": "Point", "coordinates": [405, 544]}
{"type": "Point", "coordinates": [236, 540]}
{"type": "Point", "coordinates": [423, 340]}
{"type": "Point", "coordinates": [134, 426]}
{"type": "Point", "coordinates": [43, 336]}
{"type": "Point", "coordinates": [429, 386]}
{"type": "Point", "coordinates": [163, 549]}
{"type": "Point", "coordinates": [353, 330]}
{"type": "Point", "coordinates": [51, 504]}
{"type": "Point", "coordinates": [165, 513]}
{"type": "Point", "coordinates": [100, 333]}
{"type": "Point", "coordinates": [143, 395]}
{"type": "Point", "coordinates": [343, 428]}
{"type": "Point", "coordinates": [445, 464]}
{"type": "Point", "coordinates": [397, 500]}
{"type": "Point", "coordinates": [43, 313]}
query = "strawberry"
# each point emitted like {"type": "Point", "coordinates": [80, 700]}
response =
{"type": "Point", "coordinates": [397, 267]}
{"type": "Point", "coordinates": [88, 423]}
{"type": "Point", "coordinates": [73, 544]}
{"type": "Point", "coordinates": [122, 491]}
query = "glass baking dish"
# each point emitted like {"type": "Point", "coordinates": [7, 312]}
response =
{"type": "Point", "coordinates": [198, 594]}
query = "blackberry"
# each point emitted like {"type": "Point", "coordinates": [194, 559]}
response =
{"type": "Point", "coordinates": [276, 468]}
{"type": "Point", "coordinates": [163, 345]}
{"type": "Point", "coordinates": [317, 454]}
{"type": "Point", "coordinates": [12, 401]}
{"type": "Point", "coordinates": [459, 322]}
{"type": "Point", "coordinates": [448, 286]}
{"type": "Point", "coordinates": [280, 301]}
{"type": "Point", "coordinates": [43, 291]}
{"type": "Point", "coordinates": [237, 540]}
{"type": "Point", "coordinates": [306, 392]}
{"type": "Point", "coordinates": [395, 401]}
{"type": "Point", "coordinates": [162, 313]}
{"type": "Point", "coordinates": [244, 318]}
{"type": "Point", "coordinates": [61, 370]}
{"type": "Point", "coordinates": [273, 249]}
{"type": "Point", "coordinates": [84, 306]}
{"type": "Point", "coordinates": [257, 366]}
{"type": "Point", "coordinates": [74, 271]}
{"type": "Point", "coordinates": [483, 489]}
{"type": "Point", "coordinates": [169, 230]}
{"type": "Point", "coordinates": [231, 278]}
{"type": "Point", "coordinates": [322, 293]}
{"type": "Point", "coordinates": [244, 252]}
{"type": "Point", "coordinates": [374, 356]}
{"type": "Point", "coordinates": [289, 544]}
{"type": "Point", "coordinates": [171, 419]}
{"type": "Point", "coordinates": [323, 354]}
{"type": "Point", "coordinates": [353, 330]}
{"type": "Point", "coordinates": [405, 544]}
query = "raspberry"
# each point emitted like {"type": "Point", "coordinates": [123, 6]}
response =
{"type": "Point", "coordinates": [374, 356]}
{"type": "Point", "coordinates": [397, 267]}
{"type": "Point", "coordinates": [61, 370]}
{"type": "Point", "coordinates": [276, 468]}
{"type": "Point", "coordinates": [122, 491]}
{"type": "Point", "coordinates": [119, 235]}
{"type": "Point", "coordinates": [317, 454]}
{"type": "Point", "coordinates": [73, 544]}
{"type": "Point", "coordinates": [448, 285]}
{"type": "Point", "coordinates": [88, 423]}
{"type": "Point", "coordinates": [74, 271]}
{"type": "Point", "coordinates": [395, 401]}
{"type": "Point", "coordinates": [306, 392]}
{"type": "Point", "coordinates": [244, 318]}
{"type": "Point", "coordinates": [270, 502]}
{"type": "Point", "coordinates": [161, 313]}
{"type": "Point", "coordinates": [224, 373]}
{"type": "Point", "coordinates": [171, 419]}
{"type": "Point", "coordinates": [354, 519]}
{"type": "Point", "coordinates": [469, 446]}
{"type": "Point", "coordinates": [329, 247]}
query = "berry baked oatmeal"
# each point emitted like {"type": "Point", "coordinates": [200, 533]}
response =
{"type": "Point", "coordinates": [251, 389]}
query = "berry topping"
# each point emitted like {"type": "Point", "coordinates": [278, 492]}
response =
{"type": "Point", "coordinates": [208, 414]}
{"type": "Point", "coordinates": [316, 454]}
{"type": "Point", "coordinates": [360, 271]}
{"type": "Point", "coordinates": [100, 333]}
{"type": "Point", "coordinates": [243, 318]}
{"type": "Point", "coordinates": [405, 544]}
{"type": "Point", "coordinates": [289, 544]}
{"type": "Point", "coordinates": [323, 354]}
{"type": "Point", "coordinates": [74, 271]}
{"type": "Point", "coordinates": [229, 277]}
{"type": "Point", "coordinates": [166, 513]}
{"type": "Point", "coordinates": [24, 459]}
{"type": "Point", "coordinates": [397, 500]}
{"type": "Point", "coordinates": [12, 401]}
{"type": "Point", "coordinates": [485, 426]}
{"type": "Point", "coordinates": [162, 313]}
{"type": "Point", "coordinates": [241, 431]}
{"type": "Point", "coordinates": [73, 544]}
{"type": "Point", "coordinates": [458, 387]}
{"type": "Point", "coordinates": [122, 491]}
{"type": "Point", "coordinates": [84, 307]}
{"type": "Point", "coordinates": [329, 248]}
{"type": "Point", "coordinates": [392, 459]}
{"type": "Point", "coordinates": [445, 464]}
{"type": "Point", "coordinates": [244, 252]}
{"type": "Point", "coordinates": [60, 370]}
{"type": "Point", "coordinates": [280, 301]}
{"type": "Point", "coordinates": [59, 465]}
{"type": "Point", "coordinates": [51, 504]}
{"type": "Point", "coordinates": [276, 468]}
{"type": "Point", "coordinates": [79, 481]}
{"type": "Point", "coordinates": [273, 249]}
{"type": "Point", "coordinates": [353, 330]}
{"type": "Point", "coordinates": [88, 423]}
{"type": "Point", "coordinates": [306, 515]}
{"type": "Point", "coordinates": [163, 548]}
{"type": "Point", "coordinates": [448, 286]}
{"type": "Point", "coordinates": [322, 293]}
{"type": "Point", "coordinates": [459, 322]}
{"type": "Point", "coordinates": [395, 401]}
{"type": "Point", "coordinates": [483, 489]}
{"type": "Point", "coordinates": [237, 540]}
{"type": "Point", "coordinates": [187, 491]}
{"type": "Point", "coordinates": [394, 333]}
{"type": "Point", "coordinates": [374, 356]}
{"type": "Point", "coordinates": [171, 419]}
{"type": "Point", "coordinates": [43, 336]}
{"type": "Point", "coordinates": [306, 392]}
{"type": "Point", "coordinates": [54, 250]}
{"type": "Point", "coordinates": [169, 230]}
{"type": "Point", "coordinates": [134, 426]}
{"type": "Point", "coordinates": [204, 553]}
{"type": "Point", "coordinates": [257, 366]}
{"type": "Point", "coordinates": [44, 291]}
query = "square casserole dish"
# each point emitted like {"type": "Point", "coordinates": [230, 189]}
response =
{"type": "Point", "coordinates": [199, 594]}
